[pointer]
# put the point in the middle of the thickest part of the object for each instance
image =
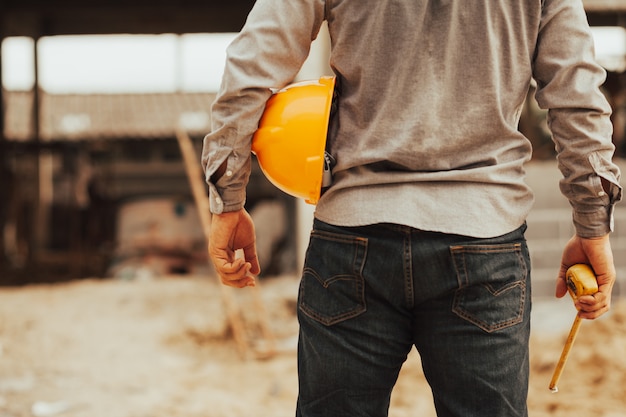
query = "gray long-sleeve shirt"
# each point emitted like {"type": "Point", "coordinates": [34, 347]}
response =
{"type": "Point", "coordinates": [430, 95]}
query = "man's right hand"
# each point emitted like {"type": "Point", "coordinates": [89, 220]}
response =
{"type": "Point", "coordinates": [595, 252]}
{"type": "Point", "coordinates": [229, 232]}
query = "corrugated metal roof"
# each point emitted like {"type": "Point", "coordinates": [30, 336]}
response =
{"type": "Point", "coordinates": [75, 117]}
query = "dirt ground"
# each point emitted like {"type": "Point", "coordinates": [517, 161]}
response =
{"type": "Point", "coordinates": [161, 347]}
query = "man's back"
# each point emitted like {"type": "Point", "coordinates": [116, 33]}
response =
{"type": "Point", "coordinates": [431, 93]}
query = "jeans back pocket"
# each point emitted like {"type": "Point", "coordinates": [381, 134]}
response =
{"type": "Point", "coordinates": [332, 285]}
{"type": "Point", "coordinates": [492, 279]}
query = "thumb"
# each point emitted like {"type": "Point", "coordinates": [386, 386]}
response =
{"type": "Point", "coordinates": [561, 284]}
{"type": "Point", "coordinates": [561, 287]}
{"type": "Point", "coordinates": [249, 254]}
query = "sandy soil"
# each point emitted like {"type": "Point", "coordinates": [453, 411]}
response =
{"type": "Point", "coordinates": [163, 347]}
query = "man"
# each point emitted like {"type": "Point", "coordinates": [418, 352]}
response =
{"type": "Point", "coordinates": [420, 239]}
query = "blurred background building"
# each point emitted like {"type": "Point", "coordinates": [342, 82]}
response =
{"type": "Point", "coordinates": [92, 183]}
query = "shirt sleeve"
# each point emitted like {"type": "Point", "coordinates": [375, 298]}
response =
{"type": "Point", "coordinates": [267, 54]}
{"type": "Point", "coordinates": [569, 82]}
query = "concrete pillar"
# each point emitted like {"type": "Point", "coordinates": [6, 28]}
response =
{"type": "Point", "coordinates": [3, 169]}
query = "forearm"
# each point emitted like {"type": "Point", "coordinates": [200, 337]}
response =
{"type": "Point", "coordinates": [569, 81]}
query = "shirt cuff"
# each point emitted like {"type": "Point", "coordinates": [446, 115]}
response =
{"type": "Point", "coordinates": [225, 200]}
{"type": "Point", "coordinates": [594, 224]}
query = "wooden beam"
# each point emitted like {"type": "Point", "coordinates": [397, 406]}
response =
{"type": "Point", "coordinates": [36, 18]}
{"type": "Point", "coordinates": [606, 12]}
{"type": "Point", "coordinates": [605, 6]}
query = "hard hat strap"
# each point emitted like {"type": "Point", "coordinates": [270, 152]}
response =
{"type": "Point", "coordinates": [329, 162]}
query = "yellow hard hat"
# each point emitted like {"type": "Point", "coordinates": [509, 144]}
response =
{"type": "Point", "coordinates": [291, 139]}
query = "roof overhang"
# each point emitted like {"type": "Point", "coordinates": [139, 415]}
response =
{"type": "Point", "coordinates": [36, 18]}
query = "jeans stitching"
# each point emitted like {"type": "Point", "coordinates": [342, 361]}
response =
{"type": "Point", "coordinates": [359, 247]}
{"type": "Point", "coordinates": [460, 266]}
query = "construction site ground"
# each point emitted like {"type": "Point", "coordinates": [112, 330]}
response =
{"type": "Point", "coordinates": [161, 347]}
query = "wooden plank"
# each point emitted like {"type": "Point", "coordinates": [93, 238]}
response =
{"type": "Point", "coordinates": [233, 312]}
{"type": "Point", "coordinates": [197, 187]}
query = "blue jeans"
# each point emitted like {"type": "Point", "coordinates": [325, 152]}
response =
{"type": "Point", "coordinates": [369, 294]}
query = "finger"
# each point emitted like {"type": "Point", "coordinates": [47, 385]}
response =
{"type": "Point", "coordinates": [246, 281]}
{"type": "Point", "coordinates": [250, 255]}
{"type": "Point", "coordinates": [593, 306]}
{"type": "Point", "coordinates": [232, 270]}
{"type": "Point", "coordinates": [592, 315]}
{"type": "Point", "coordinates": [225, 265]}
{"type": "Point", "coordinates": [235, 273]}
{"type": "Point", "coordinates": [561, 285]}
{"type": "Point", "coordinates": [239, 278]}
